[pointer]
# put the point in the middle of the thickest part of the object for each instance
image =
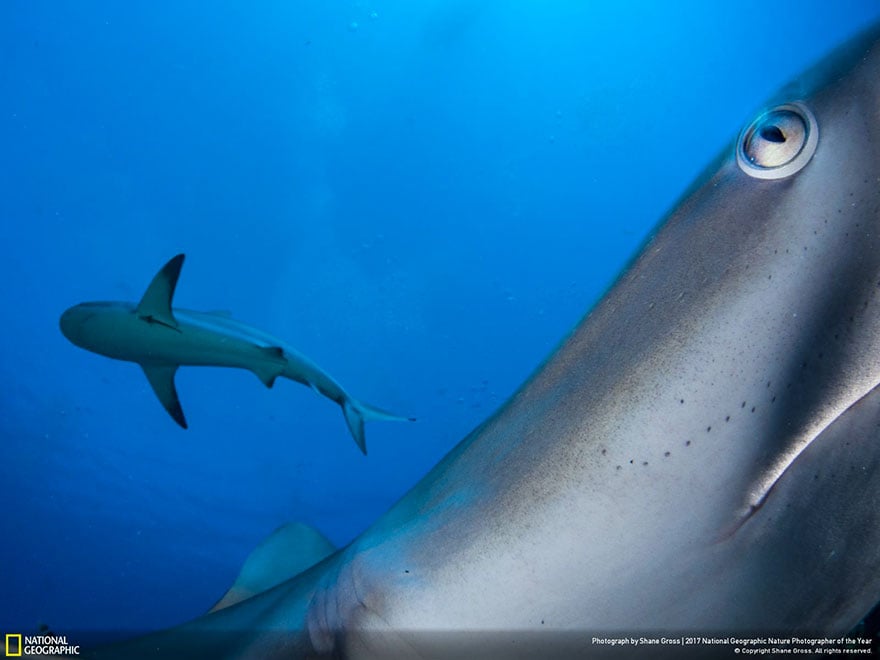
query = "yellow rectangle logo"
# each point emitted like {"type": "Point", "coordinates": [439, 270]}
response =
{"type": "Point", "coordinates": [13, 646]}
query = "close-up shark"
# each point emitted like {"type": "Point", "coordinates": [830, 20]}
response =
{"type": "Point", "coordinates": [161, 339]}
{"type": "Point", "coordinates": [700, 456]}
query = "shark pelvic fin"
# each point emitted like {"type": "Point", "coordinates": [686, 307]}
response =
{"type": "Point", "coordinates": [274, 367]}
{"type": "Point", "coordinates": [161, 379]}
{"type": "Point", "coordinates": [155, 306]}
{"type": "Point", "coordinates": [287, 552]}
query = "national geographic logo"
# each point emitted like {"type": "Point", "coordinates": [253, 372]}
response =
{"type": "Point", "coordinates": [18, 646]}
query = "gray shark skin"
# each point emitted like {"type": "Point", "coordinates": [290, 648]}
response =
{"type": "Point", "coordinates": [161, 339]}
{"type": "Point", "coordinates": [701, 455]}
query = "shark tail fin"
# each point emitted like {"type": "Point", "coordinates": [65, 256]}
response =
{"type": "Point", "coordinates": [356, 413]}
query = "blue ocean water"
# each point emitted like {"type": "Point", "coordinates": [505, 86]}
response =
{"type": "Point", "coordinates": [423, 197]}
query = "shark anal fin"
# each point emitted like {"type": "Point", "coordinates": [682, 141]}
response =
{"type": "Point", "coordinates": [161, 379]}
{"type": "Point", "coordinates": [274, 367]}
{"type": "Point", "coordinates": [155, 306]}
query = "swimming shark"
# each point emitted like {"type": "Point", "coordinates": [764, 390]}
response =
{"type": "Point", "coordinates": [700, 458]}
{"type": "Point", "coordinates": [161, 339]}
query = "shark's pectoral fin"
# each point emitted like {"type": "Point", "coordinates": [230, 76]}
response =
{"type": "Point", "coordinates": [268, 371]}
{"type": "Point", "coordinates": [162, 381]}
{"type": "Point", "coordinates": [287, 552]}
{"type": "Point", "coordinates": [155, 306]}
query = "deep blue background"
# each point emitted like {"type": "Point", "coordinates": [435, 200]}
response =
{"type": "Point", "coordinates": [423, 197]}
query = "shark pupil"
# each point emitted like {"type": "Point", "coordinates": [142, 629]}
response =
{"type": "Point", "coordinates": [772, 134]}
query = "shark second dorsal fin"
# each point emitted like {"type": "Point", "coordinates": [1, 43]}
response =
{"type": "Point", "coordinates": [161, 379]}
{"type": "Point", "coordinates": [288, 551]}
{"type": "Point", "coordinates": [155, 306]}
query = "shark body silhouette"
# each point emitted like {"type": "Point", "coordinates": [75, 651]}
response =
{"type": "Point", "coordinates": [161, 339]}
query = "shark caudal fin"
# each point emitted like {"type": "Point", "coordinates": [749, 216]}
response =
{"type": "Point", "coordinates": [356, 413]}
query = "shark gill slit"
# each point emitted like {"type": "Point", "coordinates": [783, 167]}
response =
{"type": "Point", "coordinates": [764, 489]}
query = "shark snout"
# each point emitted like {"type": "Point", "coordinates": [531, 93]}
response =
{"type": "Point", "coordinates": [69, 322]}
{"type": "Point", "coordinates": [72, 321]}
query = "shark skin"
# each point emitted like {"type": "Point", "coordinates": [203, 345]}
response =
{"type": "Point", "coordinates": [161, 339]}
{"type": "Point", "coordinates": [701, 455]}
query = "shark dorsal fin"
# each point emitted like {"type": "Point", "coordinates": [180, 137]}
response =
{"type": "Point", "coordinates": [161, 379]}
{"type": "Point", "coordinates": [155, 306]}
{"type": "Point", "coordinates": [288, 551]}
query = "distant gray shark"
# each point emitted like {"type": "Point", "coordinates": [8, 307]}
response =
{"type": "Point", "coordinates": [161, 339]}
{"type": "Point", "coordinates": [700, 457]}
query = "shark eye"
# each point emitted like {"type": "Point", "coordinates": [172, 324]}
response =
{"type": "Point", "coordinates": [778, 143]}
